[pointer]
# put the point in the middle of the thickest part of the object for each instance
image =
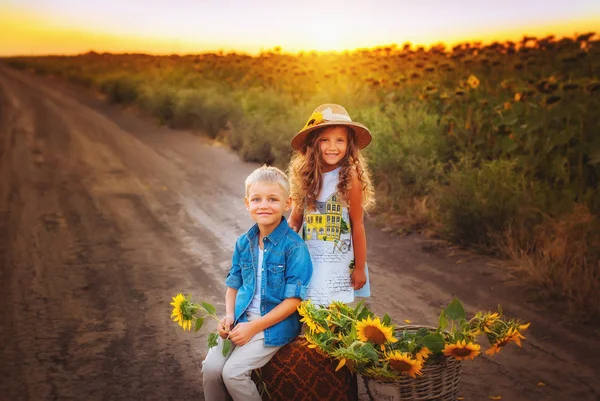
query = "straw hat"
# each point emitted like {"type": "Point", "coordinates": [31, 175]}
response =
{"type": "Point", "coordinates": [329, 115]}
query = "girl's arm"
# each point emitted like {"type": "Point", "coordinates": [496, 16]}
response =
{"type": "Point", "coordinates": [295, 220]}
{"type": "Point", "coordinates": [359, 239]}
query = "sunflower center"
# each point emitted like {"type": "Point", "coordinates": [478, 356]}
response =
{"type": "Point", "coordinates": [461, 352]}
{"type": "Point", "coordinates": [374, 335]}
{"type": "Point", "coordinates": [401, 366]}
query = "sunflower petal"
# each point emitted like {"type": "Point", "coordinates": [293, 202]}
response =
{"type": "Point", "coordinates": [341, 364]}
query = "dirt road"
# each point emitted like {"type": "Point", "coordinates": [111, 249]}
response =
{"type": "Point", "coordinates": [104, 216]}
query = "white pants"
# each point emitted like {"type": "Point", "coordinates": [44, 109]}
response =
{"type": "Point", "coordinates": [232, 374]}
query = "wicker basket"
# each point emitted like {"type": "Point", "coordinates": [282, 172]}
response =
{"type": "Point", "coordinates": [439, 382]}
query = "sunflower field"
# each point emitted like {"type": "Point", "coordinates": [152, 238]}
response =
{"type": "Point", "coordinates": [495, 146]}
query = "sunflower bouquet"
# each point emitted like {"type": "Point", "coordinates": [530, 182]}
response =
{"type": "Point", "coordinates": [377, 349]}
{"type": "Point", "coordinates": [187, 314]}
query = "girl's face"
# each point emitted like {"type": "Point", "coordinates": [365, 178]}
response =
{"type": "Point", "coordinates": [333, 145]}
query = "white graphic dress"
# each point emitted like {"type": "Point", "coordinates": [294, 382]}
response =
{"type": "Point", "coordinates": [328, 235]}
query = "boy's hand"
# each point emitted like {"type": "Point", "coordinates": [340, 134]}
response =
{"type": "Point", "coordinates": [242, 333]}
{"type": "Point", "coordinates": [224, 326]}
{"type": "Point", "coordinates": [359, 278]}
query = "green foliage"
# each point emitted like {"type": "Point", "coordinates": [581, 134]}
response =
{"type": "Point", "coordinates": [211, 310]}
{"type": "Point", "coordinates": [480, 200]}
{"type": "Point", "coordinates": [455, 310]}
{"type": "Point", "coordinates": [407, 155]}
{"type": "Point", "coordinates": [120, 89]}
{"type": "Point", "coordinates": [206, 110]}
{"type": "Point", "coordinates": [159, 101]}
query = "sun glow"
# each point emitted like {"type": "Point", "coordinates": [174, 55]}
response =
{"type": "Point", "coordinates": [328, 34]}
{"type": "Point", "coordinates": [65, 27]}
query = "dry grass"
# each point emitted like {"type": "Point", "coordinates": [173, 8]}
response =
{"type": "Point", "coordinates": [417, 214]}
{"type": "Point", "coordinates": [562, 257]}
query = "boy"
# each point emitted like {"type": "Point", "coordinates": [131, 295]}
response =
{"type": "Point", "coordinates": [270, 272]}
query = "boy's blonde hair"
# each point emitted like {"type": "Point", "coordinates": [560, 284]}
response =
{"type": "Point", "coordinates": [270, 175]}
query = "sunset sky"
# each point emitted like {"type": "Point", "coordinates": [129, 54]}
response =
{"type": "Point", "coordinates": [30, 27]}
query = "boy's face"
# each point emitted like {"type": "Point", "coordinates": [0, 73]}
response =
{"type": "Point", "coordinates": [266, 203]}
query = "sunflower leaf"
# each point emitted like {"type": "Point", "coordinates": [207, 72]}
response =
{"type": "Point", "coordinates": [386, 320]}
{"type": "Point", "coordinates": [359, 308]}
{"type": "Point", "coordinates": [209, 308]}
{"type": "Point", "coordinates": [455, 310]}
{"type": "Point", "coordinates": [434, 341]}
{"type": "Point", "coordinates": [422, 332]}
{"type": "Point", "coordinates": [442, 321]}
{"type": "Point", "coordinates": [199, 323]}
{"type": "Point", "coordinates": [368, 351]}
{"type": "Point", "coordinates": [226, 346]}
{"type": "Point", "coordinates": [364, 313]}
{"type": "Point", "coordinates": [212, 339]}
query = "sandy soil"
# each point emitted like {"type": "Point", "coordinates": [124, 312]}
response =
{"type": "Point", "coordinates": [104, 216]}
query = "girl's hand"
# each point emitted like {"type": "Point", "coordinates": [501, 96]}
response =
{"type": "Point", "coordinates": [359, 278]}
{"type": "Point", "coordinates": [242, 333]}
{"type": "Point", "coordinates": [224, 326]}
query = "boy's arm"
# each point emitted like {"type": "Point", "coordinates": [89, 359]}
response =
{"type": "Point", "coordinates": [234, 277]}
{"type": "Point", "coordinates": [295, 220]}
{"type": "Point", "coordinates": [277, 314]}
{"type": "Point", "coordinates": [359, 238]}
{"type": "Point", "coordinates": [230, 301]}
{"type": "Point", "coordinates": [233, 282]}
{"type": "Point", "coordinates": [226, 323]}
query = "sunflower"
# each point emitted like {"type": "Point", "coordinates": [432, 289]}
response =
{"type": "Point", "coordinates": [488, 321]}
{"type": "Point", "coordinates": [496, 347]}
{"type": "Point", "coordinates": [423, 354]}
{"type": "Point", "coordinates": [404, 363]}
{"type": "Point", "coordinates": [309, 319]}
{"type": "Point", "coordinates": [462, 350]}
{"type": "Point", "coordinates": [314, 119]}
{"type": "Point", "coordinates": [180, 312]}
{"type": "Point", "coordinates": [513, 334]}
{"type": "Point", "coordinates": [310, 341]}
{"type": "Point", "coordinates": [375, 332]}
{"type": "Point", "coordinates": [473, 81]}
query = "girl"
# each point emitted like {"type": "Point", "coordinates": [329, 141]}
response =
{"type": "Point", "coordinates": [331, 188]}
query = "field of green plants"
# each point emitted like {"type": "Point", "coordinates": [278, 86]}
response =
{"type": "Point", "coordinates": [495, 146]}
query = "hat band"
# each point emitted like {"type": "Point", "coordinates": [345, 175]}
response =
{"type": "Point", "coordinates": [329, 115]}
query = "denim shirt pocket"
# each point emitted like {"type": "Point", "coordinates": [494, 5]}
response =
{"type": "Point", "coordinates": [247, 271]}
{"type": "Point", "coordinates": [276, 274]}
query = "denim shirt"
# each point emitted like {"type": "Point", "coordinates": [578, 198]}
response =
{"type": "Point", "coordinates": [286, 272]}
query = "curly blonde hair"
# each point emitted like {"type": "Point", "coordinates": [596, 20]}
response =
{"type": "Point", "coordinates": [306, 178]}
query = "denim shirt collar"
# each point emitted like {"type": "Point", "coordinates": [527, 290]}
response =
{"type": "Point", "coordinates": [274, 237]}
